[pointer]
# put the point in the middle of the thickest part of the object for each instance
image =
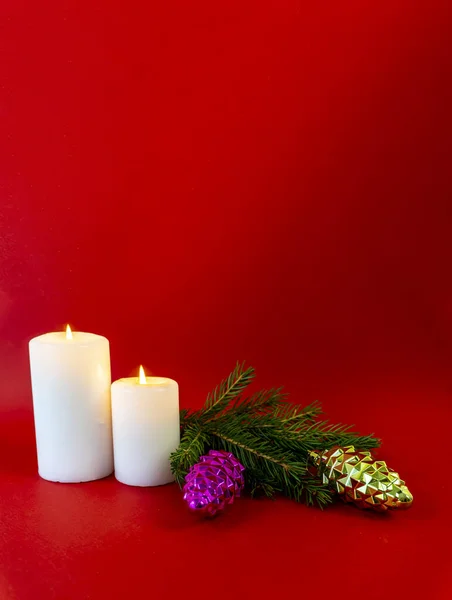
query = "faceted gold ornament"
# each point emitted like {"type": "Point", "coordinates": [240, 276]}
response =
{"type": "Point", "coordinates": [359, 479]}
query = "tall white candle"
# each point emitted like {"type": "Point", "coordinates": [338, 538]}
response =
{"type": "Point", "coordinates": [71, 384]}
{"type": "Point", "coordinates": [146, 429]}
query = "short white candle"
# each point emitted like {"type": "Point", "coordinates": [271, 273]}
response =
{"type": "Point", "coordinates": [71, 384]}
{"type": "Point", "coordinates": [146, 429]}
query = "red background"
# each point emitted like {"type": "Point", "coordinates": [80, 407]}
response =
{"type": "Point", "coordinates": [204, 182]}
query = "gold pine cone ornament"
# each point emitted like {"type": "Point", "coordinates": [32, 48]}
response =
{"type": "Point", "coordinates": [359, 479]}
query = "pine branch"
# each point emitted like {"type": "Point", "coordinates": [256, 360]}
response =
{"type": "Point", "coordinates": [184, 417]}
{"type": "Point", "coordinates": [293, 413]}
{"type": "Point", "coordinates": [269, 436]}
{"type": "Point", "coordinates": [277, 471]}
{"type": "Point", "coordinates": [230, 388]}
{"type": "Point", "coordinates": [294, 428]}
{"type": "Point", "coordinates": [257, 485]}
{"type": "Point", "coordinates": [259, 404]}
{"type": "Point", "coordinates": [320, 435]}
{"type": "Point", "coordinates": [193, 444]}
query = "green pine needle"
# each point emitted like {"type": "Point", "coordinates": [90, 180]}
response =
{"type": "Point", "coordinates": [269, 436]}
{"type": "Point", "coordinates": [228, 389]}
{"type": "Point", "coordinates": [193, 444]}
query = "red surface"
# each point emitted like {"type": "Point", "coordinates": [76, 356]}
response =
{"type": "Point", "coordinates": [205, 182]}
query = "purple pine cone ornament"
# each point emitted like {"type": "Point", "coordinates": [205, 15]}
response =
{"type": "Point", "coordinates": [215, 481]}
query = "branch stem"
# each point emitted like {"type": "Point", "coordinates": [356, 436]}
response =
{"type": "Point", "coordinates": [251, 450]}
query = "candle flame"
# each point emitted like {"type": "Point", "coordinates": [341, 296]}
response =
{"type": "Point", "coordinates": [142, 376]}
{"type": "Point", "coordinates": [68, 333]}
